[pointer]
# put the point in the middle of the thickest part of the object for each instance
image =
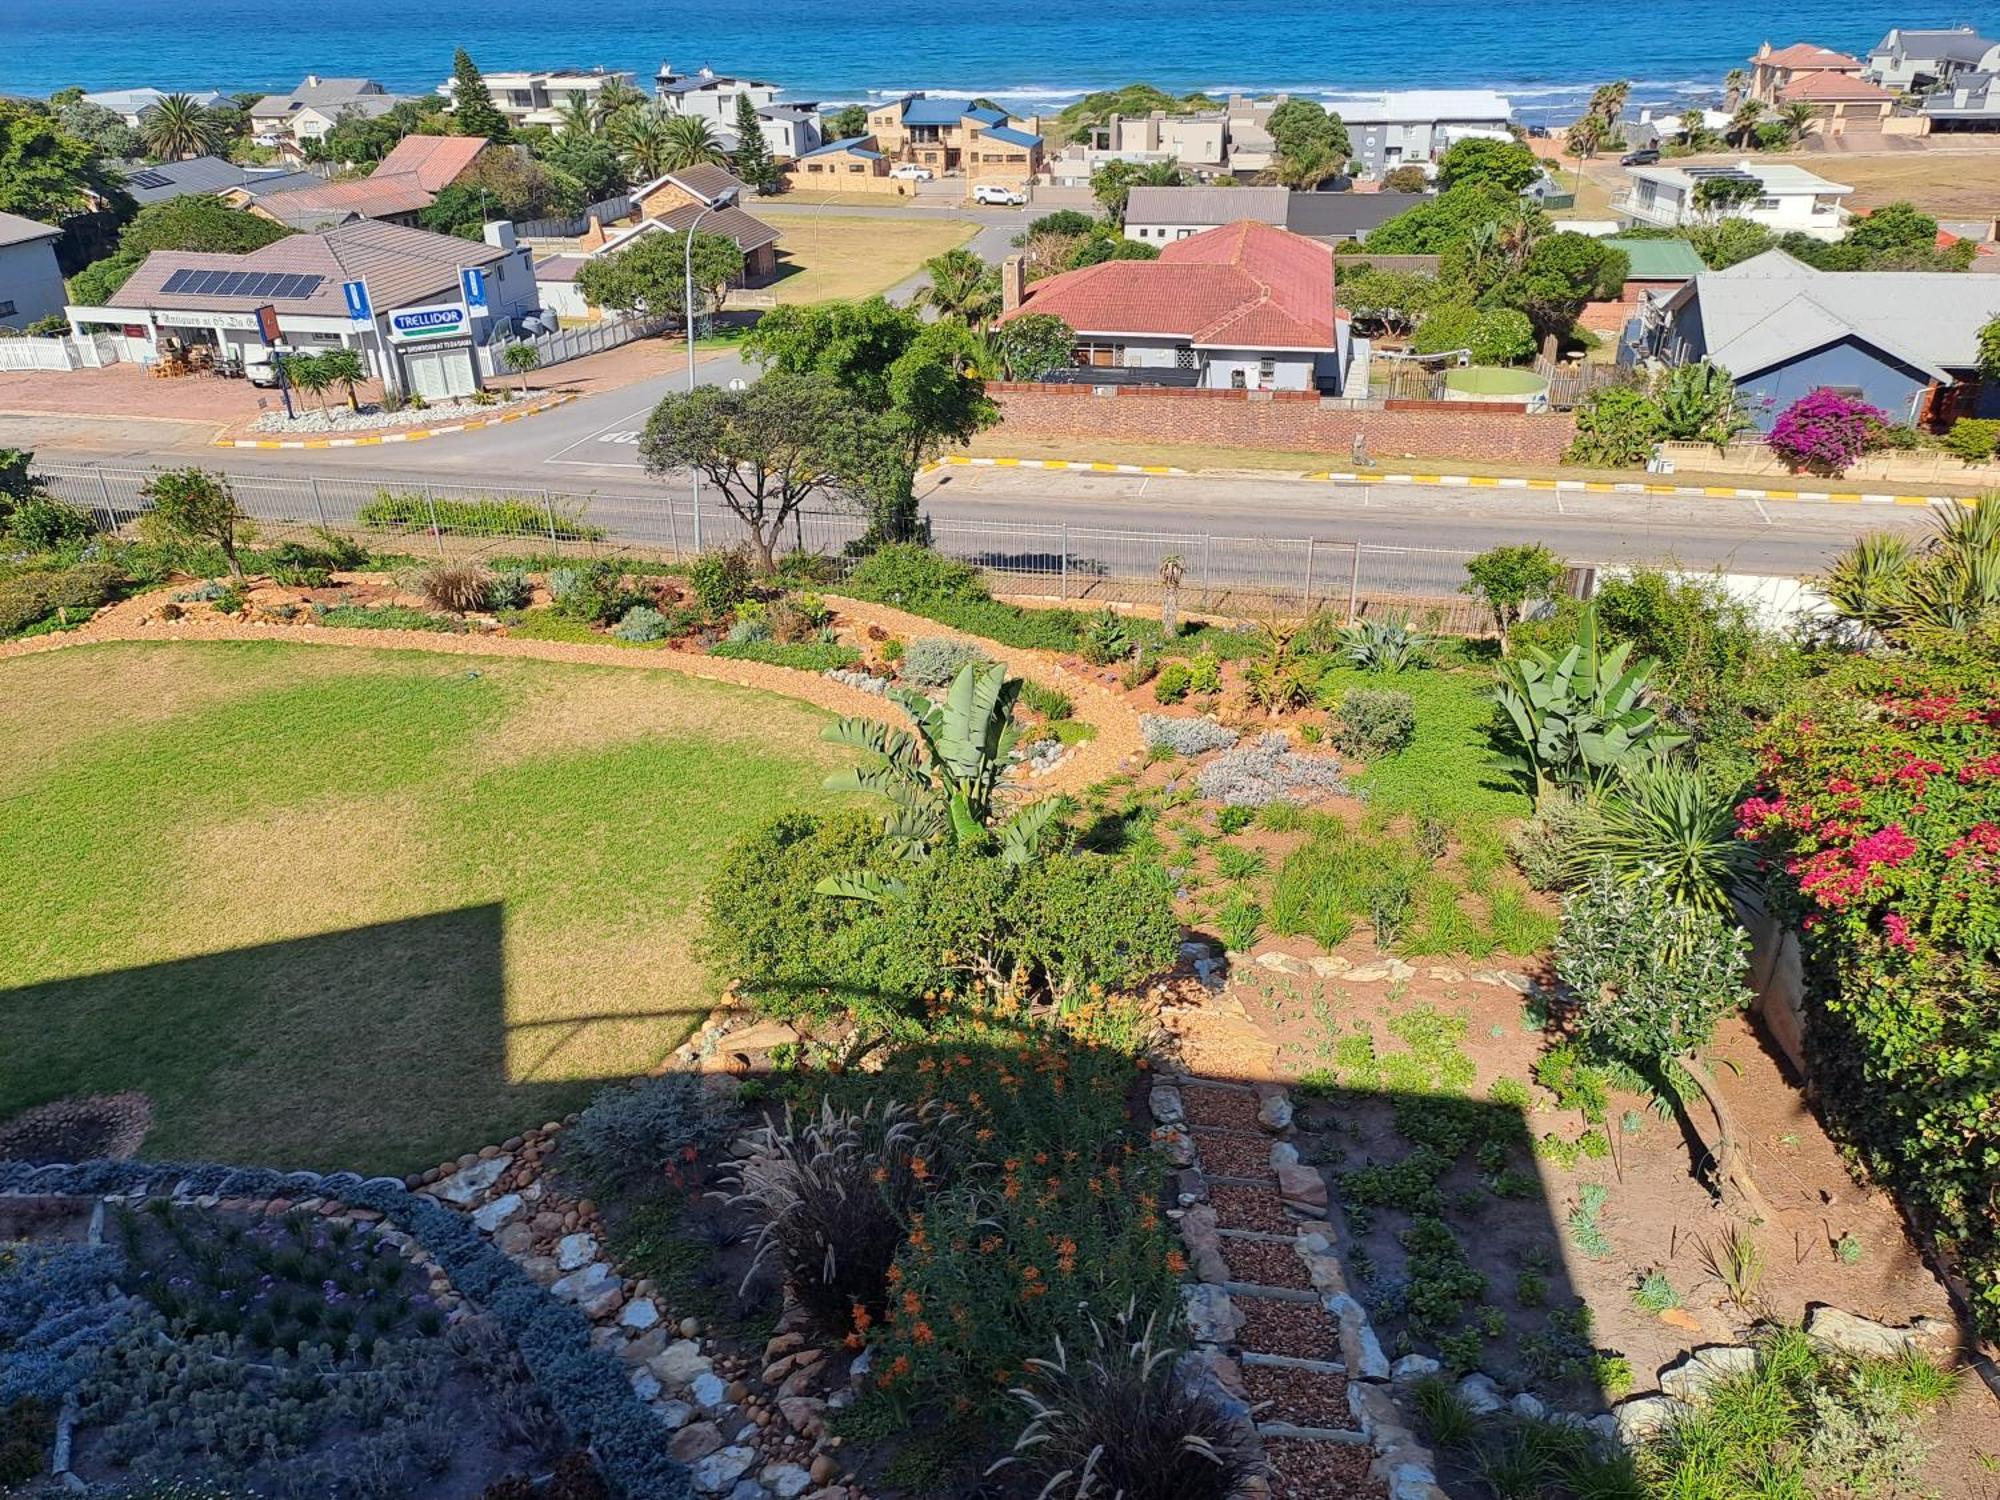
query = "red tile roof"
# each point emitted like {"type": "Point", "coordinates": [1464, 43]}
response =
{"type": "Point", "coordinates": [434, 160]}
{"type": "Point", "coordinates": [1808, 55]}
{"type": "Point", "coordinates": [1832, 87]}
{"type": "Point", "coordinates": [1243, 286]}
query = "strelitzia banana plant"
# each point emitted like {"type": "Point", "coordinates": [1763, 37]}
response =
{"type": "Point", "coordinates": [942, 779]}
{"type": "Point", "coordinates": [1581, 718]}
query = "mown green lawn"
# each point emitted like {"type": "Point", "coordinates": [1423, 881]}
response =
{"type": "Point", "coordinates": [335, 908]}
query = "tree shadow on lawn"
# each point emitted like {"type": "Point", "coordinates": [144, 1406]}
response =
{"type": "Point", "coordinates": [386, 1048]}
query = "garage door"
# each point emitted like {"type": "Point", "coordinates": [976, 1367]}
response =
{"type": "Point", "coordinates": [439, 374]}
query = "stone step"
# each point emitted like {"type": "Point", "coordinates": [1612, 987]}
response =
{"type": "Point", "coordinates": [1274, 1293]}
{"type": "Point", "coordinates": [1258, 1234]}
{"type": "Point", "coordinates": [1349, 1435]}
{"type": "Point", "coordinates": [1294, 1362]}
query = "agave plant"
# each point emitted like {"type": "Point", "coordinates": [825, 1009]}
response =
{"type": "Point", "coordinates": [1668, 822]}
{"type": "Point", "coordinates": [943, 779]}
{"type": "Point", "coordinates": [1581, 718]}
{"type": "Point", "coordinates": [1118, 1422]}
{"type": "Point", "coordinates": [1951, 586]}
{"type": "Point", "coordinates": [1866, 582]}
{"type": "Point", "coordinates": [1385, 645]}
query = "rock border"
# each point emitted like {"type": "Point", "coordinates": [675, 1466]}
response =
{"type": "Point", "coordinates": [582, 1384]}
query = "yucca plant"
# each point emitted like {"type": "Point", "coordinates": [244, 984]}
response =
{"type": "Point", "coordinates": [942, 782]}
{"type": "Point", "coordinates": [833, 1192]}
{"type": "Point", "coordinates": [459, 587]}
{"type": "Point", "coordinates": [1117, 1422]}
{"type": "Point", "coordinates": [1580, 718]}
{"type": "Point", "coordinates": [1867, 581]}
{"type": "Point", "coordinates": [1949, 586]}
{"type": "Point", "coordinates": [1667, 821]}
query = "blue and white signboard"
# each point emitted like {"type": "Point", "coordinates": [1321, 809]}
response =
{"type": "Point", "coordinates": [423, 325]}
{"type": "Point", "coordinates": [472, 288]}
{"type": "Point", "coordinates": [359, 309]}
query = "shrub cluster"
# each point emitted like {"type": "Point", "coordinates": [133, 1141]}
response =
{"type": "Point", "coordinates": [631, 1130]}
{"type": "Point", "coordinates": [932, 661]}
{"type": "Point", "coordinates": [805, 656]}
{"type": "Point", "coordinates": [410, 510]}
{"type": "Point", "coordinates": [1268, 771]}
{"type": "Point", "coordinates": [67, 594]}
{"type": "Point", "coordinates": [1371, 723]}
{"type": "Point", "coordinates": [1188, 737]}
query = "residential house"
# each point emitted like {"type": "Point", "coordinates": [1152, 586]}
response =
{"type": "Point", "coordinates": [1198, 141]}
{"type": "Point", "coordinates": [316, 121]}
{"type": "Point", "coordinates": [1243, 307]}
{"type": "Point", "coordinates": [710, 95]}
{"type": "Point", "coordinates": [31, 285]}
{"type": "Point", "coordinates": [938, 133]}
{"type": "Point", "coordinates": [1251, 148]}
{"type": "Point", "coordinates": [1969, 102]}
{"type": "Point", "coordinates": [420, 338]}
{"type": "Point", "coordinates": [1157, 215]}
{"type": "Point", "coordinates": [757, 240]}
{"type": "Point", "coordinates": [1915, 62]}
{"type": "Point", "coordinates": [1772, 69]}
{"type": "Point", "coordinates": [1655, 268]}
{"type": "Point", "coordinates": [1419, 125]}
{"type": "Point", "coordinates": [207, 174]}
{"type": "Point", "coordinates": [403, 184]}
{"type": "Point", "coordinates": [854, 165]}
{"type": "Point", "coordinates": [133, 105]}
{"type": "Point", "coordinates": [1002, 154]}
{"type": "Point", "coordinates": [790, 130]}
{"type": "Point", "coordinates": [700, 186]}
{"type": "Point", "coordinates": [539, 97]}
{"type": "Point", "coordinates": [1663, 196]}
{"type": "Point", "coordinates": [308, 111]}
{"type": "Point", "coordinates": [1844, 103]}
{"type": "Point", "coordinates": [1906, 342]}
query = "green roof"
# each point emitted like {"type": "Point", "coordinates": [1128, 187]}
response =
{"type": "Point", "coordinates": [1659, 260]}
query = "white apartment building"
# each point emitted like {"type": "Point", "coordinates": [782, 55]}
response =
{"type": "Point", "coordinates": [1419, 125]}
{"type": "Point", "coordinates": [538, 97]}
{"type": "Point", "coordinates": [709, 94]}
{"type": "Point", "coordinates": [1790, 198]}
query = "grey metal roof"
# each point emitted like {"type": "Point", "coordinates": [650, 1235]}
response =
{"type": "Point", "coordinates": [1773, 308]}
{"type": "Point", "coordinates": [1346, 216]}
{"type": "Point", "coordinates": [15, 230]}
{"type": "Point", "coordinates": [1206, 205]}
{"type": "Point", "coordinates": [321, 91]}
{"type": "Point", "coordinates": [173, 179]}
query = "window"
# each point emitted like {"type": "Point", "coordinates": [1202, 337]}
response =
{"type": "Point", "coordinates": [1184, 357]}
{"type": "Point", "coordinates": [1100, 356]}
{"type": "Point", "coordinates": [1237, 381]}
{"type": "Point", "coordinates": [1267, 370]}
{"type": "Point", "coordinates": [1765, 205]}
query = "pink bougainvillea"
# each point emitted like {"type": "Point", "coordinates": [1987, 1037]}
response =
{"type": "Point", "coordinates": [1824, 432]}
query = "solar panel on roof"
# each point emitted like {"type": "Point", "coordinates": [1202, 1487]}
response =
{"type": "Point", "coordinates": [150, 180]}
{"type": "Point", "coordinates": [176, 281]}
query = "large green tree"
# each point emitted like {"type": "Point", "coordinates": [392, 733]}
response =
{"type": "Point", "coordinates": [193, 221]}
{"type": "Point", "coordinates": [1508, 166]}
{"type": "Point", "coordinates": [177, 127]}
{"type": "Point", "coordinates": [1562, 272]}
{"type": "Point", "coordinates": [1433, 227]}
{"type": "Point", "coordinates": [45, 172]}
{"type": "Point", "coordinates": [752, 160]}
{"type": "Point", "coordinates": [765, 450]}
{"type": "Point", "coordinates": [962, 287]}
{"type": "Point", "coordinates": [500, 185]}
{"type": "Point", "coordinates": [847, 122]}
{"type": "Point", "coordinates": [1312, 144]}
{"type": "Point", "coordinates": [473, 111]}
{"type": "Point", "coordinates": [649, 275]}
{"type": "Point", "coordinates": [1113, 182]}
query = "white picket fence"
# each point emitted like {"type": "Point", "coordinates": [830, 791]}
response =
{"type": "Point", "coordinates": [571, 343]}
{"type": "Point", "coordinates": [38, 354]}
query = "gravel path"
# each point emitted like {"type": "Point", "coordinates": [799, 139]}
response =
{"type": "Point", "coordinates": [1117, 727]}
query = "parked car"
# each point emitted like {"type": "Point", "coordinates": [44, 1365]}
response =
{"type": "Point", "coordinates": [1645, 156]}
{"type": "Point", "coordinates": [911, 172]}
{"type": "Point", "coordinates": [999, 193]}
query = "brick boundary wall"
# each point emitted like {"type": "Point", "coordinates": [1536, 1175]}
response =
{"type": "Point", "coordinates": [1287, 420]}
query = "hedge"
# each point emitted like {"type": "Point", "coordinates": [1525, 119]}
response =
{"type": "Point", "coordinates": [805, 656]}
{"type": "Point", "coordinates": [587, 1387]}
{"type": "Point", "coordinates": [1879, 811]}
{"type": "Point", "coordinates": [414, 511]}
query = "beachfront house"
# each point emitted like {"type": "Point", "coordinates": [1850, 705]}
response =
{"type": "Point", "coordinates": [1419, 125]}
{"type": "Point", "coordinates": [538, 97]}
{"type": "Point", "coordinates": [1160, 215]}
{"type": "Point", "coordinates": [1916, 62]}
{"type": "Point", "coordinates": [854, 165]}
{"type": "Point", "coordinates": [1243, 307]}
{"type": "Point", "coordinates": [1773, 69]}
{"type": "Point", "coordinates": [309, 110]}
{"type": "Point", "coordinates": [1665, 196]}
{"type": "Point", "coordinates": [709, 95]}
{"type": "Point", "coordinates": [1970, 102]}
{"type": "Point", "coordinates": [700, 186]}
{"type": "Point", "coordinates": [1906, 342]}
{"type": "Point", "coordinates": [1844, 104]}
{"type": "Point", "coordinates": [133, 105]}
{"type": "Point", "coordinates": [31, 286]}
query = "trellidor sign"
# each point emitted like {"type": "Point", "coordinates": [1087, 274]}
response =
{"type": "Point", "coordinates": [440, 320]}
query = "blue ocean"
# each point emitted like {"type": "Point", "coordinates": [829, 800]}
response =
{"type": "Point", "coordinates": [1029, 54]}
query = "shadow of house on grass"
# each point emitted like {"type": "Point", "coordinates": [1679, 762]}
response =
{"type": "Point", "coordinates": [385, 1048]}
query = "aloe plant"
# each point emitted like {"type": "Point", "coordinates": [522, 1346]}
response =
{"type": "Point", "coordinates": [942, 779]}
{"type": "Point", "coordinates": [1581, 718]}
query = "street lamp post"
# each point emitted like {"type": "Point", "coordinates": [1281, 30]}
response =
{"type": "Point", "coordinates": [687, 314]}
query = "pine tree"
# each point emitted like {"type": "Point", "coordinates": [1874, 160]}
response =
{"type": "Point", "coordinates": [753, 160]}
{"type": "Point", "coordinates": [473, 109]}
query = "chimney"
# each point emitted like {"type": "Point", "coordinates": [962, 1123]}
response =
{"type": "Point", "coordinates": [593, 236]}
{"type": "Point", "coordinates": [1013, 282]}
{"type": "Point", "coordinates": [499, 233]}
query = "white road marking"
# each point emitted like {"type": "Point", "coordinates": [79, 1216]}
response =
{"type": "Point", "coordinates": [618, 430]}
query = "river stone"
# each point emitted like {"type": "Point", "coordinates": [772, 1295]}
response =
{"type": "Point", "coordinates": [1211, 1318]}
{"type": "Point", "coordinates": [709, 1390]}
{"type": "Point", "coordinates": [491, 1216]}
{"type": "Point", "coordinates": [586, 1284]}
{"type": "Point", "coordinates": [640, 1313]}
{"type": "Point", "coordinates": [1411, 1368]}
{"type": "Point", "coordinates": [674, 1414]}
{"type": "Point", "coordinates": [679, 1363]}
{"type": "Point", "coordinates": [1283, 963]}
{"type": "Point", "coordinates": [1690, 1378]}
{"type": "Point", "coordinates": [786, 1480]}
{"type": "Point", "coordinates": [645, 1384]}
{"type": "Point", "coordinates": [1303, 1188]}
{"type": "Point", "coordinates": [1480, 1394]}
{"type": "Point", "coordinates": [1360, 1350]}
{"type": "Point", "coordinates": [1165, 1102]}
{"type": "Point", "coordinates": [575, 1251]}
{"type": "Point", "coordinates": [1274, 1112]}
{"type": "Point", "coordinates": [696, 1440]}
{"type": "Point", "coordinates": [1850, 1333]}
{"type": "Point", "coordinates": [464, 1186]}
{"type": "Point", "coordinates": [721, 1469]}
{"type": "Point", "coordinates": [1642, 1416]}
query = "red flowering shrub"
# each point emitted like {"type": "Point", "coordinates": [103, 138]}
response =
{"type": "Point", "coordinates": [1824, 432]}
{"type": "Point", "coordinates": [1879, 813]}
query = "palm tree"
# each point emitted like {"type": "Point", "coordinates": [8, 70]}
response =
{"type": "Point", "coordinates": [689, 142]}
{"type": "Point", "coordinates": [1744, 124]}
{"type": "Point", "coordinates": [1608, 103]}
{"type": "Point", "coordinates": [1733, 84]}
{"type": "Point", "coordinates": [1583, 140]}
{"type": "Point", "coordinates": [616, 99]}
{"type": "Point", "coordinates": [1307, 170]}
{"type": "Point", "coordinates": [581, 118]}
{"type": "Point", "coordinates": [1694, 129]}
{"type": "Point", "coordinates": [1797, 118]}
{"type": "Point", "coordinates": [642, 137]}
{"type": "Point", "coordinates": [963, 289]}
{"type": "Point", "coordinates": [177, 128]}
